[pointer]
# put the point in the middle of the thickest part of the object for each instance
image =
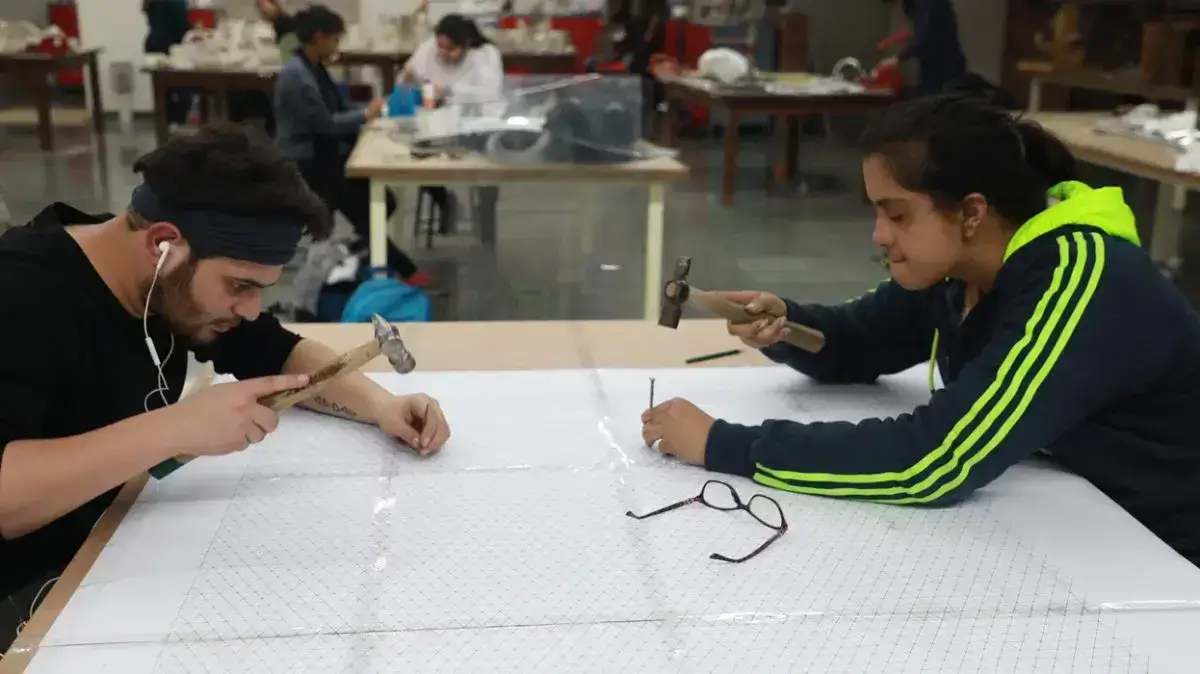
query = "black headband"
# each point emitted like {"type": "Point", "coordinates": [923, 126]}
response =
{"type": "Point", "coordinates": [259, 239]}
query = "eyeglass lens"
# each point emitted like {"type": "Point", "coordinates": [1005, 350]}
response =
{"type": "Point", "coordinates": [766, 510]}
{"type": "Point", "coordinates": [720, 496]}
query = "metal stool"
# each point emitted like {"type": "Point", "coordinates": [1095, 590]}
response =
{"type": "Point", "coordinates": [427, 224]}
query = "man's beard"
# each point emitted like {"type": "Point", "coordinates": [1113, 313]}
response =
{"type": "Point", "coordinates": [172, 300]}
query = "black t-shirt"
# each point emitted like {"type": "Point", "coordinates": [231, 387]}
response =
{"type": "Point", "coordinates": [72, 360]}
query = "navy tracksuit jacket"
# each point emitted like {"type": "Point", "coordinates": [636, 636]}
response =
{"type": "Point", "coordinates": [1082, 350]}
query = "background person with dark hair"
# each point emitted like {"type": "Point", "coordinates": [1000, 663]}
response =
{"type": "Point", "coordinates": [1052, 328]}
{"type": "Point", "coordinates": [460, 63]}
{"type": "Point", "coordinates": [316, 126]}
{"type": "Point", "coordinates": [934, 44]}
{"type": "Point", "coordinates": [643, 34]}
{"type": "Point", "coordinates": [167, 24]}
{"type": "Point", "coordinates": [283, 25]}
{"type": "Point", "coordinates": [257, 104]}
{"type": "Point", "coordinates": [107, 307]}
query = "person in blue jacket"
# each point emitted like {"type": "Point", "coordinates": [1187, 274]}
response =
{"type": "Point", "coordinates": [1052, 329]}
{"type": "Point", "coordinates": [934, 44]}
{"type": "Point", "coordinates": [168, 23]}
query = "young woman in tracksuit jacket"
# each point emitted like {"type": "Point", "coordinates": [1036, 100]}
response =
{"type": "Point", "coordinates": [1051, 328]}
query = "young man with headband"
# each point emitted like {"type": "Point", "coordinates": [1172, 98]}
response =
{"type": "Point", "coordinates": [100, 312]}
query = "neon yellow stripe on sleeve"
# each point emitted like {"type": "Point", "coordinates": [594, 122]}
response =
{"type": "Point", "coordinates": [995, 400]}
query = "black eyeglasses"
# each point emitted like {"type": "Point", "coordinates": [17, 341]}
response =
{"type": "Point", "coordinates": [722, 496]}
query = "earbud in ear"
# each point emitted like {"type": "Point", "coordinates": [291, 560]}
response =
{"type": "Point", "coordinates": [164, 247]}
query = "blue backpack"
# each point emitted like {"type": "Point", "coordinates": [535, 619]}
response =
{"type": "Point", "coordinates": [381, 293]}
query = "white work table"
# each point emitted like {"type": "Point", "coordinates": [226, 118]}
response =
{"type": "Point", "coordinates": [327, 548]}
{"type": "Point", "coordinates": [384, 157]}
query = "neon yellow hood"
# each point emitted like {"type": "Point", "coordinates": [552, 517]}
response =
{"type": "Point", "coordinates": [1079, 204]}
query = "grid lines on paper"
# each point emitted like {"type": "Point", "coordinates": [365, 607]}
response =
{"type": "Point", "coordinates": [524, 561]}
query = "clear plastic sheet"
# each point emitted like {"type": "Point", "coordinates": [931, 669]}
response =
{"type": "Point", "coordinates": [329, 548]}
{"type": "Point", "coordinates": [538, 119]}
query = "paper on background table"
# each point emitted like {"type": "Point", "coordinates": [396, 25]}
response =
{"type": "Point", "coordinates": [325, 549]}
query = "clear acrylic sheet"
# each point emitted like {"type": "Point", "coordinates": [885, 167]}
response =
{"type": "Point", "coordinates": [327, 548]}
{"type": "Point", "coordinates": [585, 119]}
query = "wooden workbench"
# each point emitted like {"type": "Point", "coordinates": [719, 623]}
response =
{"type": "Point", "coordinates": [1143, 158]}
{"type": "Point", "coordinates": [741, 103]}
{"type": "Point", "coordinates": [213, 85]}
{"type": "Point", "coordinates": [384, 158]}
{"type": "Point", "coordinates": [1032, 573]}
{"type": "Point", "coordinates": [32, 71]}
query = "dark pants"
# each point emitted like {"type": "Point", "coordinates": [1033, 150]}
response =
{"type": "Point", "coordinates": [179, 104]}
{"type": "Point", "coordinates": [244, 105]}
{"type": "Point", "coordinates": [179, 99]}
{"type": "Point", "coordinates": [441, 200]}
{"type": "Point", "coordinates": [352, 198]}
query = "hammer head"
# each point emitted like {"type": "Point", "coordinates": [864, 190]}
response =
{"type": "Point", "coordinates": [675, 294]}
{"type": "Point", "coordinates": [392, 346]}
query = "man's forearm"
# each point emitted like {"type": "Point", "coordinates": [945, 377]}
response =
{"type": "Point", "coordinates": [42, 480]}
{"type": "Point", "coordinates": [353, 396]}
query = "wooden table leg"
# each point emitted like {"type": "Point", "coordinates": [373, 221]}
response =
{"type": "Point", "coordinates": [667, 123]}
{"type": "Point", "coordinates": [793, 146]}
{"type": "Point", "coordinates": [388, 72]}
{"type": "Point", "coordinates": [378, 239]}
{"type": "Point", "coordinates": [44, 96]}
{"type": "Point", "coordinates": [785, 171]}
{"type": "Point", "coordinates": [93, 69]}
{"type": "Point", "coordinates": [162, 129]}
{"type": "Point", "coordinates": [729, 171]}
{"type": "Point", "coordinates": [652, 300]}
{"type": "Point", "coordinates": [1167, 235]}
{"type": "Point", "coordinates": [221, 105]}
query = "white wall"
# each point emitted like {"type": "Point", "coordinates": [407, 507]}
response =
{"type": "Point", "coordinates": [119, 29]}
{"type": "Point", "coordinates": [981, 26]}
{"type": "Point", "coordinates": [34, 11]}
{"type": "Point", "coordinates": [844, 28]}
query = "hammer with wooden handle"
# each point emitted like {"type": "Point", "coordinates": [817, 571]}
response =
{"type": "Point", "coordinates": [387, 342]}
{"type": "Point", "coordinates": [678, 292]}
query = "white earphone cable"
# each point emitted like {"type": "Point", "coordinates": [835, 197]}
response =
{"type": "Point", "coordinates": [163, 386]}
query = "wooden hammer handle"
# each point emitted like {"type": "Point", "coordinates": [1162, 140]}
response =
{"type": "Point", "coordinates": [344, 364]}
{"type": "Point", "coordinates": [348, 362]}
{"type": "Point", "coordinates": [801, 336]}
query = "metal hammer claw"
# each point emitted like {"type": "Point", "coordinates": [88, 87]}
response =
{"type": "Point", "coordinates": [677, 292]}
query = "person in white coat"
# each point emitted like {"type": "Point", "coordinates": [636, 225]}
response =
{"type": "Point", "coordinates": [460, 65]}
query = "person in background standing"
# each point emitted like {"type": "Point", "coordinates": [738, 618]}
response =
{"type": "Point", "coordinates": [639, 36]}
{"type": "Point", "coordinates": [168, 23]}
{"type": "Point", "coordinates": [281, 21]}
{"type": "Point", "coordinates": [317, 127]}
{"type": "Point", "coordinates": [257, 104]}
{"type": "Point", "coordinates": [934, 44]}
{"type": "Point", "coordinates": [463, 66]}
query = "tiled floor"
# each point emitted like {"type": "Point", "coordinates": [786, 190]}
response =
{"type": "Point", "coordinates": [809, 244]}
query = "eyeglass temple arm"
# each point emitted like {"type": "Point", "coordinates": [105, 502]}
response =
{"type": "Point", "coordinates": [664, 509]}
{"type": "Point", "coordinates": [757, 550]}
